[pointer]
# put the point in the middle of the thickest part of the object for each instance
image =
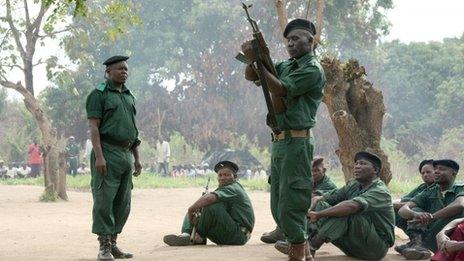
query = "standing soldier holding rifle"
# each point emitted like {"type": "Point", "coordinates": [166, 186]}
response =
{"type": "Point", "coordinates": [296, 88]}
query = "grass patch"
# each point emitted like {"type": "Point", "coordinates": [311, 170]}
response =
{"type": "Point", "coordinates": [398, 186]}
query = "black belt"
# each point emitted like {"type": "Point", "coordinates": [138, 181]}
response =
{"type": "Point", "coordinates": [122, 144]}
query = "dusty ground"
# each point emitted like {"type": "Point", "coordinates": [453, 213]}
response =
{"type": "Point", "coordinates": [31, 230]}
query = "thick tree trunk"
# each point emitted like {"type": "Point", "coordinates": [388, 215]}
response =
{"type": "Point", "coordinates": [356, 109]}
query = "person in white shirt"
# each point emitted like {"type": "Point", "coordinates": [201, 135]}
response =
{"type": "Point", "coordinates": [12, 171]}
{"type": "Point", "coordinates": [3, 169]}
{"type": "Point", "coordinates": [24, 171]}
{"type": "Point", "coordinates": [163, 159]}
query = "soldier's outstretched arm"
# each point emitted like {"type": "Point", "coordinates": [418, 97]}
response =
{"type": "Point", "coordinates": [342, 209]}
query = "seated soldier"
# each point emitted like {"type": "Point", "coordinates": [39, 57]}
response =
{"type": "Point", "coordinates": [428, 177]}
{"type": "Point", "coordinates": [450, 242]}
{"type": "Point", "coordinates": [227, 217]}
{"type": "Point", "coordinates": [357, 218]}
{"type": "Point", "coordinates": [438, 205]}
{"type": "Point", "coordinates": [322, 185]}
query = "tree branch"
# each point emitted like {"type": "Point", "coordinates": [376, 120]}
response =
{"type": "Point", "coordinates": [15, 86]}
{"type": "Point", "coordinates": [66, 29]}
{"type": "Point", "coordinates": [11, 66]}
{"type": "Point", "coordinates": [14, 30]}
{"type": "Point", "coordinates": [4, 38]}
{"type": "Point", "coordinates": [26, 9]}
{"type": "Point", "coordinates": [38, 20]}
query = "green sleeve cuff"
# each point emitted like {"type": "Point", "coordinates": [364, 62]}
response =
{"type": "Point", "coordinates": [94, 115]}
{"type": "Point", "coordinates": [363, 202]}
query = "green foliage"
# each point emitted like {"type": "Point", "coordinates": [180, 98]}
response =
{"type": "Point", "coordinates": [451, 144]}
{"type": "Point", "coordinates": [422, 84]}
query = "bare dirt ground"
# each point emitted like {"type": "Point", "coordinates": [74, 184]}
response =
{"type": "Point", "coordinates": [32, 230]}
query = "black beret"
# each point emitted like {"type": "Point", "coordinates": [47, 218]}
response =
{"type": "Point", "coordinates": [300, 24]}
{"type": "Point", "coordinates": [374, 159]}
{"type": "Point", "coordinates": [317, 160]}
{"type": "Point", "coordinates": [448, 163]}
{"type": "Point", "coordinates": [115, 59]}
{"type": "Point", "coordinates": [226, 164]}
{"type": "Point", "coordinates": [425, 162]}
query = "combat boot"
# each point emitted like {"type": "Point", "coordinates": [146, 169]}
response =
{"type": "Point", "coordinates": [282, 246]}
{"type": "Point", "coordinates": [401, 248]}
{"type": "Point", "coordinates": [105, 248]}
{"type": "Point", "coordinates": [297, 252]}
{"type": "Point", "coordinates": [273, 236]}
{"type": "Point", "coordinates": [418, 250]}
{"type": "Point", "coordinates": [116, 251]}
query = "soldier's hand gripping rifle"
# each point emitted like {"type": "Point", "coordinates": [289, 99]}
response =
{"type": "Point", "coordinates": [263, 60]}
{"type": "Point", "coordinates": [198, 214]}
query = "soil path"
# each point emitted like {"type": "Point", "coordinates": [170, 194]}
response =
{"type": "Point", "coordinates": [32, 230]}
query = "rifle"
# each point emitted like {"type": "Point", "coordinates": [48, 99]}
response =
{"type": "Point", "coordinates": [263, 60]}
{"type": "Point", "coordinates": [198, 214]}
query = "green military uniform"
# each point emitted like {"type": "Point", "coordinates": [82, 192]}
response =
{"type": "Point", "coordinates": [431, 200]}
{"type": "Point", "coordinates": [324, 186]}
{"type": "Point", "coordinates": [367, 234]}
{"type": "Point", "coordinates": [112, 193]}
{"type": "Point", "coordinates": [291, 179]}
{"type": "Point", "coordinates": [73, 157]}
{"type": "Point", "coordinates": [229, 221]}
{"type": "Point", "coordinates": [401, 222]}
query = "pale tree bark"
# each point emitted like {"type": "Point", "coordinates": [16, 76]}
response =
{"type": "Point", "coordinates": [356, 109]}
{"type": "Point", "coordinates": [54, 179]}
{"type": "Point", "coordinates": [282, 16]}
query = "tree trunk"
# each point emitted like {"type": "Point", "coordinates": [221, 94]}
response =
{"type": "Point", "coordinates": [282, 16]}
{"type": "Point", "coordinates": [356, 109]}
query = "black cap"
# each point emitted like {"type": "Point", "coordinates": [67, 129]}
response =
{"type": "Point", "coordinates": [226, 164]}
{"type": "Point", "coordinates": [115, 59]}
{"type": "Point", "coordinates": [374, 159]}
{"type": "Point", "coordinates": [448, 163]}
{"type": "Point", "coordinates": [317, 160]}
{"type": "Point", "coordinates": [425, 162]}
{"type": "Point", "coordinates": [300, 24]}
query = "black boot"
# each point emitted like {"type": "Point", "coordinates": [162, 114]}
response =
{"type": "Point", "coordinates": [273, 236]}
{"type": "Point", "coordinates": [105, 248]}
{"type": "Point", "coordinates": [401, 248]}
{"type": "Point", "coordinates": [118, 253]}
{"type": "Point", "coordinates": [418, 250]}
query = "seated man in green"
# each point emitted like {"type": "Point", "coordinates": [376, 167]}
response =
{"type": "Point", "coordinates": [227, 217]}
{"type": "Point", "coordinates": [322, 184]}
{"type": "Point", "coordinates": [428, 177]}
{"type": "Point", "coordinates": [357, 218]}
{"type": "Point", "coordinates": [439, 204]}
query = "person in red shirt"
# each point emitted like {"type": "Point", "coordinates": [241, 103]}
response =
{"type": "Point", "coordinates": [34, 158]}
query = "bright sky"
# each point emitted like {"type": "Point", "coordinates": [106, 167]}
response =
{"type": "Point", "coordinates": [426, 20]}
{"type": "Point", "coordinates": [412, 21]}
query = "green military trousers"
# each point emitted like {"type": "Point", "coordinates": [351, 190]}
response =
{"type": "Point", "coordinates": [355, 235]}
{"type": "Point", "coordinates": [291, 185]}
{"type": "Point", "coordinates": [111, 193]}
{"type": "Point", "coordinates": [402, 223]}
{"type": "Point", "coordinates": [217, 225]}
